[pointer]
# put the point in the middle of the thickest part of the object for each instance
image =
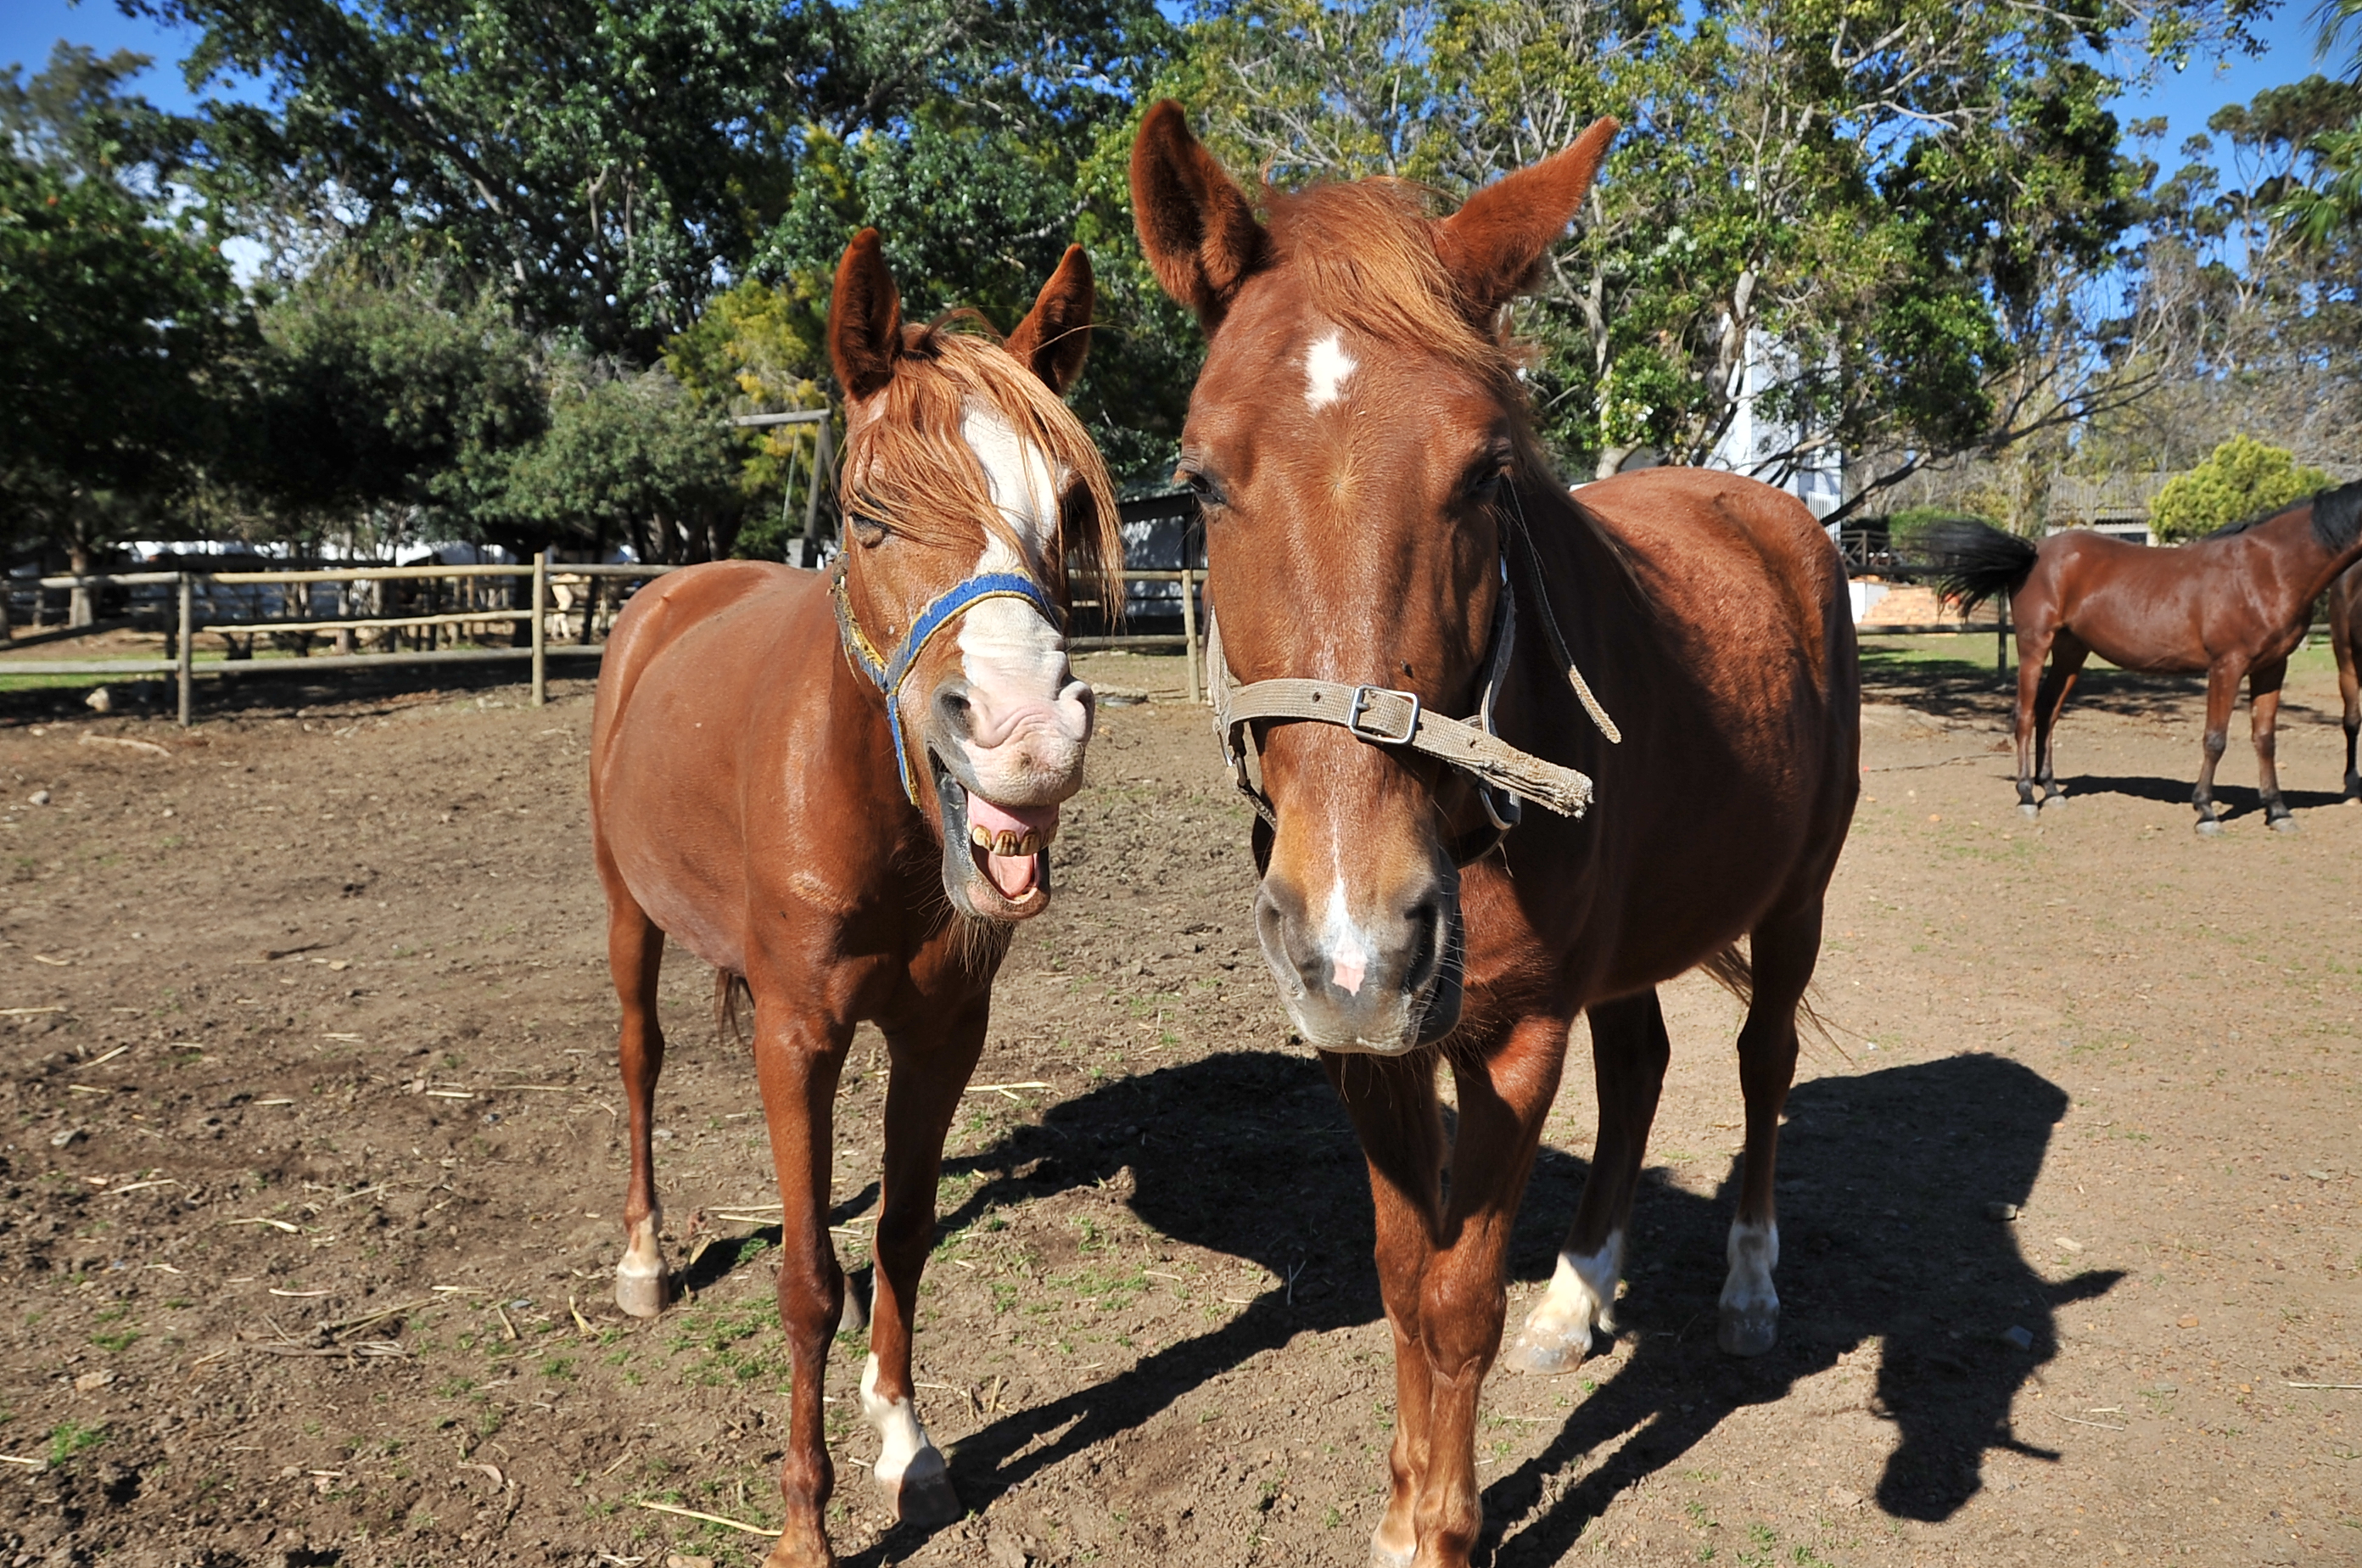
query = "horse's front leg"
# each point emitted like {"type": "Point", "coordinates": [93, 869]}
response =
{"type": "Point", "coordinates": [2222, 695]}
{"type": "Point", "coordinates": [1783, 951]}
{"type": "Point", "coordinates": [798, 1057]}
{"type": "Point", "coordinates": [1393, 1105]}
{"type": "Point", "coordinates": [1629, 1050]}
{"type": "Point", "coordinates": [1503, 1096]}
{"type": "Point", "coordinates": [931, 1068]}
{"type": "Point", "coordinates": [2263, 722]}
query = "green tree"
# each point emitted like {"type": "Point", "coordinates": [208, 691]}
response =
{"type": "Point", "coordinates": [1907, 220]}
{"type": "Point", "coordinates": [387, 406]}
{"type": "Point", "coordinates": [626, 459]}
{"type": "Point", "coordinates": [120, 327]}
{"type": "Point", "coordinates": [2244, 478]}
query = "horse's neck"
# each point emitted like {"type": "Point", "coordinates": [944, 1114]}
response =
{"type": "Point", "coordinates": [2321, 566]}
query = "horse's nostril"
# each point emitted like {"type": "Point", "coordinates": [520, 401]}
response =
{"type": "Point", "coordinates": [1426, 953]}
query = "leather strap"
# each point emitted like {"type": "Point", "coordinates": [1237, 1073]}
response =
{"type": "Point", "coordinates": [888, 673]}
{"type": "Point", "coordinates": [1384, 716]}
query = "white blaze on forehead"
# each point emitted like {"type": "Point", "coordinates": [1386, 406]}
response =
{"type": "Point", "coordinates": [1325, 366]}
{"type": "Point", "coordinates": [1008, 651]}
{"type": "Point", "coordinates": [1349, 947]}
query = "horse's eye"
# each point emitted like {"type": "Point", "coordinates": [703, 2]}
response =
{"type": "Point", "coordinates": [1203, 487]}
{"type": "Point", "coordinates": [868, 532]}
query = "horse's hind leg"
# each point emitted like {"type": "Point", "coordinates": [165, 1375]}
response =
{"type": "Point", "coordinates": [2032, 648]}
{"type": "Point", "coordinates": [2263, 722]}
{"type": "Point", "coordinates": [930, 1069]}
{"type": "Point", "coordinates": [1629, 1054]}
{"type": "Point", "coordinates": [2068, 653]}
{"type": "Point", "coordinates": [1784, 950]}
{"type": "Point", "coordinates": [2222, 695]}
{"type": "Point", "coordinates": [634, 956]}
{"type": "Point", "coordinates": [2345, 642]}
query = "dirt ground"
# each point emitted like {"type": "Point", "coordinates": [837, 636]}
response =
{"type": "Point", "coordinates": [309, 1191]}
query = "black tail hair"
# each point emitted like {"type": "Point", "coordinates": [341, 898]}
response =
{"type": "Point", "coordinates": [1975, 561]}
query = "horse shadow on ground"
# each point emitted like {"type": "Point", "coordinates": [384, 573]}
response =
{"type": "Point", "coordinates": [1888, 1182]}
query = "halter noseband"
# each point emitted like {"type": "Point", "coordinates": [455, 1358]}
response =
{"type": "Point", "coordinates": [1380, 715]}
{"type": "Point", "coordinates": [888, 673]}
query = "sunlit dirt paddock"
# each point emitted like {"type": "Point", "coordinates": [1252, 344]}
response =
{"type": "Point", "coordinates": [311, 1173]}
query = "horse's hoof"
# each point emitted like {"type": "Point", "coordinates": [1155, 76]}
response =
{"type": "Point", "coordinates": [1548, 1351]}
{"type": "Point", "coordinates": [792, 1551]}
{"type": "Point", "coordinates": [2054, 802]}
{"type": "Point", "coordinates": [1384, 1556]}
{"type": "Point", "coordinates": [2285, 824]}
{"type": "Point", "coordinates": [1748, 1331]}
{"type": "Point", "coordinates": [2029, 808]}
{"type": "Point", "coordinates": [923, 1497]}
{"type": "Point", "coordinates": [2209, 828]}
{"type": "Point", "coordinates": [642, 1294]}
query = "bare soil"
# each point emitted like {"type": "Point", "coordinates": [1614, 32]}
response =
{"type": "Point", "coordinates": [310, 1172]}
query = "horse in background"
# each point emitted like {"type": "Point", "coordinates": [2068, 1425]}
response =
{"type": "Point", "coordinates": [2346, 643]}
{"type": "Point", "coordinates": [2233, 604]}
{"type": "Point", "coordinates": [840, 794]}
{"type": "Point", "coordinates": [1387, 546]}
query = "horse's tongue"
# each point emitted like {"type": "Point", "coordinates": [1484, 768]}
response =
{"type": "Point", "coordinates": [1012, 874]}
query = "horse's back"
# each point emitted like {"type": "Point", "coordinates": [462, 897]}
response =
{"type": "Point", "coordinates": [1740, 766]}
{"type": "Point", "coordinates": [1741, 572]}
{"type": "Point", "coordinates": [704, 674]}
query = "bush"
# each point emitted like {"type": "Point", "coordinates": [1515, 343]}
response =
{"type": "Point", "coordinates": [2243, 478]}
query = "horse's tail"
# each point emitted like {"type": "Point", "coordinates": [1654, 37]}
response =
{"type": "Point", "coordinates": [732, 997]}
{"type": "Point", "coordinates": [1975, 561]}
{"type": "Point", "coordinates": [1735, 972]}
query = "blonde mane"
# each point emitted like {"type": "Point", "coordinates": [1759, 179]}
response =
{"type": "Point", "coordinates": [908, 469]}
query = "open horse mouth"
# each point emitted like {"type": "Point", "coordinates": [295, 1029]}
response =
{"type": "Point", "coordinates": [996, 857]}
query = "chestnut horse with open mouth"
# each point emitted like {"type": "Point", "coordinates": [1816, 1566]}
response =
{"type": "Point", "coordinates": [840, 794]}
{"type": "Point", "coordinates": [2233, 604]}
{"type": "Point", "coordinates": [1420, 634]}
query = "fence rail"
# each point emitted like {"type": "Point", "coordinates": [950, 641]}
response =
{"type": "Point", "coordinates": [184, 665]}
{"type": "Point", "coordinates": [188, 623]}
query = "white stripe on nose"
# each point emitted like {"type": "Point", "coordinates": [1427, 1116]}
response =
{"type": "Point", "coordinates": [1349, 947]}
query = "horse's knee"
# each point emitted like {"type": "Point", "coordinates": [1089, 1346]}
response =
{"type": "Point", "coordinates": [2217, 742]}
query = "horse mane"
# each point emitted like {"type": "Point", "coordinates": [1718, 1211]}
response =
{"type": "Point", "coordinates": [2336, 517]}
{"type": "Point", "coordinates": [1366, 251]}
{"type": "Point", "coordinates": [908, 469]}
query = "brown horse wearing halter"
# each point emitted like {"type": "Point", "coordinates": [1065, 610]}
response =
{"type": "Point", "coordinates": [2346, 643]}
{"type": "Point", "coordinates": [2233, 604]}
{"type": "Point", "coordinates": [842, 793]}
{"type": "Point", "coordinates": [1407, 604]}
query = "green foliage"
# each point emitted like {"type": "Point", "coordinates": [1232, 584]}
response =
{"type": "Point", "coordinates": [1894, 229]}
{"type": "Point", "coordinates": [386, 407]}
{"type": "Point", "coordinates": [626, 459]}
{"type": "Point", "coordinates": [2244, 478]}
{"type": "Point", "coordinates": [68, 1439]}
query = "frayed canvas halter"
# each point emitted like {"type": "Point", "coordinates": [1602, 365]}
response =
{"type": "Point", "coordinates": [1381, 715]}
{"type": "Point", "coordinates": [888, 673]}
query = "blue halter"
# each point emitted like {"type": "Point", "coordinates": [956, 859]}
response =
{"type": "Point", "coordinates": [888, 673]}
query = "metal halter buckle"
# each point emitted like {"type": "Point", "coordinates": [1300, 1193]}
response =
{"type": "Point", "coordinates": [1363, 697]}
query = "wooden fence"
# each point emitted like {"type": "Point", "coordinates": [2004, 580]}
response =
{"type": "Point", "coordinates": [188, 624]}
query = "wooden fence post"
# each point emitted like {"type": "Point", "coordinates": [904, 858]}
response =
{"type": "Point", "coordinates": [540, 627]}
{"type": "Point", "coordinates": [1190, 627]}
{"type": "Point", "coordinates": [183, 654]}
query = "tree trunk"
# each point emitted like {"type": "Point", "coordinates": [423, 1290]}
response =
{"type": "Point", "coordinates": [1613, 458]}
{"type": "Point", "coordinates": [77, 611]}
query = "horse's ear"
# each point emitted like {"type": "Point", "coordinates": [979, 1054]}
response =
{"type": "Point", "coordinates": [1055, 335]}
{"type": "Point", "coordinates": [1494, 246]}
{"type": "Point", "coordinates": [864, 319]}
{"type": "Point", "coordinates": [1200, 235]}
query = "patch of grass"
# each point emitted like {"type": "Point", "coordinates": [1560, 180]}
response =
{"type": "Point", "coordinates": [68, 1439]}
{"type": "Point", "coordinates": [116, 1344]}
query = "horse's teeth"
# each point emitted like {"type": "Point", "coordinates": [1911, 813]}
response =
{"type": "Point", "coordinates": [980, 836]}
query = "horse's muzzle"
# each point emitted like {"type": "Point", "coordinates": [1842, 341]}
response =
{"type": "Point", "coordinates": [1381, 984]}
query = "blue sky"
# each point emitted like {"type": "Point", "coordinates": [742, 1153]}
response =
{"type": "Point", "coordinates": [28, 28]}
